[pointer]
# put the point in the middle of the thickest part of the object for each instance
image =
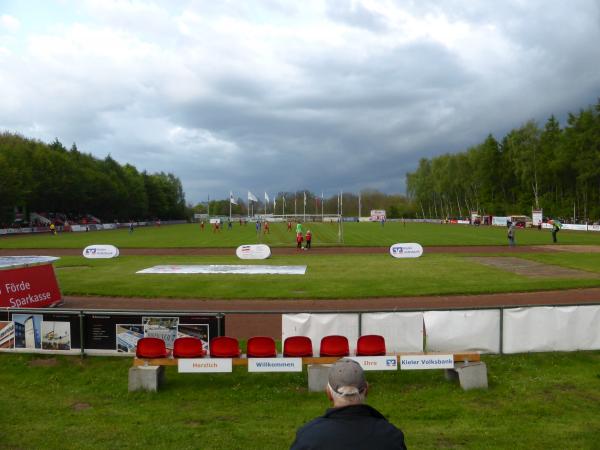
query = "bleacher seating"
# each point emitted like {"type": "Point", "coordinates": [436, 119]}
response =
{"type": "Point", "coordinates": [370, 345]}
{"type": "Point", "coordinates": [334, 345]}
{"type": "Point", "coordinates": [298, 347]}
{"type": "Point", "coordinates": [224, 347]}
{"type": "Point", "coordinates": [188, 347]}
{"type": "Point", "coordinates": [261, 347]}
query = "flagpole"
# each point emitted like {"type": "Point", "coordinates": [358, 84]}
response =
{"type": "Point", "coordinates": [322, 206]}
{"type": "Point", "coordinates": [230, 196]}
{"type": "Point", "coordinates": [304, 206]}
{"type": "Point", "coordinates": [295, 209]}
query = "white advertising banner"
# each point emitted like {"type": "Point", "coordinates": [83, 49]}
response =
{"type": "Point", "coordinates": [230, 269]}
{"type": "Point", "coordinates": [204, 365]}
{"type": "Point", "coordinates": [100, 251]}
{"type": "Point", "coordinates": [574, 227]}
{"type": "Point", "coordinates": [377, 215]}
{"type": "Point", "coordinates": [458, 331]}
{"type": "Point", "coordinates": [422, 362]}
{"type": "Point", "coordinates": [257, 251]}
{"type": "Point", "coordinates": [377, 362]}
{"type": "Point", "coordinates": [410, 250]}
{"type": "Point", "coordinates": [499, 221]}
{"type": "Point", "coordinates": [274, 364]}
{"type": "Point", "coordinates": [317, 326]}
{"type": "Point", "coordinates": [537, 217]}
{"type": "Point", "coordinates": [540, 329]}
{"type": "Point", "coordinates": [403, 332]}
{"type": "Point", "coordinates": [7, 262]}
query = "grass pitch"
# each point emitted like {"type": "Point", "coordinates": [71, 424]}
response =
{"type": "Point", "coordinates": [324, 234]}
{"type": "Point", "coordinates": [327, 277]}
{"type": "Point", "coordinates": [546, 400]}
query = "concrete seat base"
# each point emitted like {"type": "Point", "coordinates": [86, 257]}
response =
{"type": "Point", "coordinates": [470, 375]}
{"type": "Point", "coordinates": [146, 378]}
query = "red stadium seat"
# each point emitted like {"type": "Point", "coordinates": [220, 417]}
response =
{"type": "Point", "coordinates": [188, 347]}
{"type": "Point", "coordinates": [224, 347]}
{"type": "Point", "coordinates": [297, 347]}
{"type": "Point", "coordinates": [370, 345]}
{"type": "Point", "coordinates": [334, 345]}
{"type": "Point", "coordinates": [261, 347]}
{"type": "Point", "coordinates": [151, 347]}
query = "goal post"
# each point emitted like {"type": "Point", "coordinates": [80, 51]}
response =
{"type": "Point", "coordinates": [328, 228]}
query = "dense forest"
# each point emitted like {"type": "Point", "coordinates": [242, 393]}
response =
{"type": "Point", "coordinates": [551, 168]}
{"type": "Point", "coordinates": [39, 177]}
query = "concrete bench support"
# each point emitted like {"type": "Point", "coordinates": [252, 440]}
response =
{"type": "Point", "coordinates": [318, 377]}
{"type": "Point", "coordinates": [146, 378]}
{"type": "Point", "coordinates": [470, 375]}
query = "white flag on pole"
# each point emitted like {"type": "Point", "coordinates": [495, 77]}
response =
{"type": "Point", "coordinates": [266, 198]}
{"type": "Point", "coordinates": [231, 200]}
{"type": "Point", "coordinates": [304, 198]}
{"type": "Point", "coordinates": [274, 204]}
{"type": "Point", "coordinates": [252, 197]}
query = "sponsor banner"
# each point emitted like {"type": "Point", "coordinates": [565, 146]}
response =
{"type": "Point", "coordinates": [377, 215]}
{"type": "Point", "coordinates": [411, 250]}
{"type": "Point", "coordinates": [593, 227]}
{"type": "Point", "coordinates": [274, 364]}
{"type": "Point", "coordinates": [537, 217]}
{"type": "Point", "coordinates": [463, 222]}
{"type": "Point", "coordinates": [376, 362]}
{"type": "Point", "coordinates": [547, 225]}
{"type": "Point", "coordinates": [499, 221]}
{"type": "Point", "coordinates": [215, 221]}
{"type": "Point", "coordinates": [204, 365]}
{"type": "Point", "coordinates": [575, 227]}
{"type": "Point", "coordinates": [100, 251]}
{"type": "Point", "coordinates": [421, 362]}
{"type": "Point", "coordinates": [230, 269]}
{"type": "Point", "coordinates": [29, 287]}
{"type": "Point", "coordinates": [259, 251]}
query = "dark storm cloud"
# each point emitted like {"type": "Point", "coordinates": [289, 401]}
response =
{"type": "Point", "coordinates": [276, 96]}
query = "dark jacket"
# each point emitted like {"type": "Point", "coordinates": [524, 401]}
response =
{"type": "Point", "coordinates": [350, 427]}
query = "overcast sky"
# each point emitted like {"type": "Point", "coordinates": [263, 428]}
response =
{"type": "Point", "coordinates": [288, 95]}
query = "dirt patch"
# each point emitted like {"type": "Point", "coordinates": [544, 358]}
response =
{"type": "Point", "coordinates": [43, 362]}
{"type": "Point", "coordinates": [80, 406]}
{"type": "Point", "coordinates": [573, 248]}
{"type": "Point", "coordinates": [531, 269]}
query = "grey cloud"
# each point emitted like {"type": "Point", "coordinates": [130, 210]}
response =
{"type": "Point", "coordinates": [356, 15]}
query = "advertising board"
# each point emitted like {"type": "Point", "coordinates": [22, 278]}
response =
{"type": "Point", "coordinates": [377, 215]}
{"type": "Point", "coordinates": [258, 251]}
{"type": "Point", "coordinates": [377, 362]}
{"type": "Point", "coordinates": [409, 250]}
{"type": "Point", "coordinates": [29, 287]}
{"type": "Point", "coordinates": [274, 364]}
{"type": "Point", "coordinates": [421, 362]}
{"type": "Point", "coordinates": [204, 365]}
{"type": "Point", "coordinates": [99, 251]}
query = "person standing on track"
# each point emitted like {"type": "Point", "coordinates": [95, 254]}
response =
{"type": "Point", "coordinates": [299, 240]}
{"type": "Point", "coordinates": [308, 239]}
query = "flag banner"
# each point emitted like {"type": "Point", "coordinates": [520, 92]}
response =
{"type": "Point", "coordinates": [231, 200]}
{"type": "Point", "coordinates": [252, 197]}
{"type": "Point", "coordinates": [266, 198]}
{"type": "Point", "coordinates": [305, 199]}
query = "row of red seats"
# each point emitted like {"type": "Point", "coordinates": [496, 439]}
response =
{"type": "Point", "coordinates": [260, 347]}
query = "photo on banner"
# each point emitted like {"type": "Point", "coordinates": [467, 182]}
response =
{"type": "Point", "coordinates": [7, 334]}
{"type": "Point", "coordinates": [56, 335]}
{"type": "Point", "coordinates": [164, 328]}
{"type": "Point", "coordinates": [128, 336]}
{"type": "Point", "coordinates": [28, 330]}
{"type": "Point", "coordinates": [195, 330]}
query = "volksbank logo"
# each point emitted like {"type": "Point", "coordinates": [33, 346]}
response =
{"type": "Point", "coordinates": [406, 250]}
{"type": "Point", "coordinates": [391, 362]}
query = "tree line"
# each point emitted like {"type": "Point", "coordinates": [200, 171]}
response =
{"type": "Point", "coordinates": [553, 168]}
{"type": "Point", "coordinates": [40, 177]}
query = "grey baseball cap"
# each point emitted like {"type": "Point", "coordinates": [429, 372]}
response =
{"type": "Point", "coordinates": [346, 377]}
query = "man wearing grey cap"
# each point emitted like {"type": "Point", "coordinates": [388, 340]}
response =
{"type": "Point", "coordinates": [350, 424]}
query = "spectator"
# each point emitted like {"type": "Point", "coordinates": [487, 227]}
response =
{"type": "Point", "coordinates": [349, 424]}
{"type": "Point", "coordinates": [511, 234]}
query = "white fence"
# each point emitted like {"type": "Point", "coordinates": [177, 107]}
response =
{"type": "Point", "coordinates": [499, 330]}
